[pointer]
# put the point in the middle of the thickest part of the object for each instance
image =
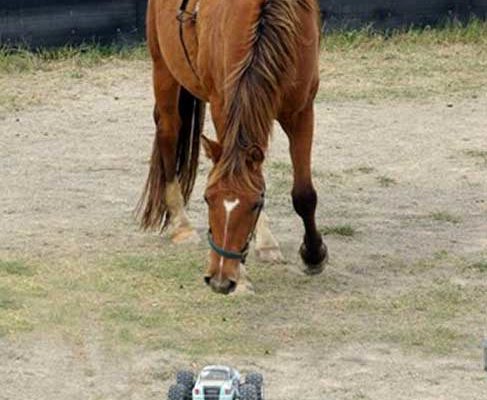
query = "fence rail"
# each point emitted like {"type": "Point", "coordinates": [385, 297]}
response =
{"type": "Point", "coordinates": [58, 22]}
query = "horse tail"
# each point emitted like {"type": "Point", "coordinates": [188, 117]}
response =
{"type": "Point", "coordinates": [254, 87]}
{"type": "Point", "coordinates": [152, 206]}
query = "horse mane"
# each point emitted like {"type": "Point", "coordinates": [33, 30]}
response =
{"type": "Point", "coordinates": [254, 88]}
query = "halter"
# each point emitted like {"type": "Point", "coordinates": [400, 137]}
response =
{"type": "Point", "coordinates": [242, 254]}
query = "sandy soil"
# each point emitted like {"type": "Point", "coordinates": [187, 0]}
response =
{"type": "Point", "coordinates": [71, 171]}
{"type": "Point", "coordinates": [46, 368]}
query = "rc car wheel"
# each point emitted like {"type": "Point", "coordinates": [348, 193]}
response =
{"type": "Point", "coordinates": [185, 378]}
{"type": "Point", "coordinates": [177, 392]}
{"type": "Point", "coordinates": [256, 379]}
{"type": "Point", "coordinates": [248, 392]}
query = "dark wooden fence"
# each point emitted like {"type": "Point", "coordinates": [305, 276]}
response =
{"type": "Point", "coordinates": [58, 22]}
{"type": "Point", "coordinates": [396, 13]}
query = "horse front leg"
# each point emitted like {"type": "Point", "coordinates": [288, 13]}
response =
{"type": "Point", "coordinates": [299, 129]}
{"type": "Point", "coordinates": [266, 246]}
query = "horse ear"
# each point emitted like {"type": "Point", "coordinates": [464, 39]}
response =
{"type": "Point", "coordinates": [213, 149]}
{"type": "Point", "coordinates": [255, 156]}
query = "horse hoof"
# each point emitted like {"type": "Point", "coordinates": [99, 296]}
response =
{"type": "Point", "coordinates": [269, 255]}
{"type": "Point", "coordinates": [185, 236]}
{"type": "Point", "coordinates": [315, 260]}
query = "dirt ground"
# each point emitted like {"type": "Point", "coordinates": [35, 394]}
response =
{"type": "Point", "coordinates": [409, 176]}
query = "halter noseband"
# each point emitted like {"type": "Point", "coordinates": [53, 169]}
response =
{"type": "Point", "coordinates": [231, 255]}
{"type": "Point", "coordinates": [242, 254]}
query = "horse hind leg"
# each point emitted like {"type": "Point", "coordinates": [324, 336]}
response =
{"type": "Point", "coordinates": [266, 246]}
{"type": "Point", "coordinates": [164, 199]}
{"type": "Point", "coordinates": [180, 229]}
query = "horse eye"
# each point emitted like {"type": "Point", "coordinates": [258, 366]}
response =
{"type": "Point", "coordinates": [206, 199]}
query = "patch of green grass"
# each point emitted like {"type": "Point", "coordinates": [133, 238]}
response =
{"type": "Point", "coordinates": [21, 60]}
{"type": "Point", "coordinates": [386, 181]}
{"type": "Point", "coordinates": [366, 169]}
{"type": "Point", "coordinates": [423, 317]}
{"type": "Point", "coordinates": [13, 316]}
{"type": "Point", "coordinates": [160, 301]}
{"type": "Point", "coordinates": [339, 230]}
{"type": "Point", "coordinates": [480, 266]}
{"type": "Point", "coordinates": [440, 302]}
{"type": "Point", "coordinates": [163, 302]}
{"type": "Point", "coordinates": [451, 32]}
{"type": "Point", "coordinates": [8, 300]}
{"type": "Point", "coordinates": [480, 155]}
{"type": "Point", "coordinates": [20, 289]}
{"type": "Point", "coordinates": [444, 216]}
{"type": "Point", "coordinates": [363, 169]}
{"type": "Point", "coordinates": [15, 268]}
{"type": "Point", "coordinates": [417, 318]}
{"type": "Point", "coordinates": [435, 339]}
{"type": "Point", "coordinates": [281, 166]}
{"type": "Point", "coordinates": [11, 324]}
{"type": "Point", "coordinates": [440, 255]}
{"type": "Point", "coordinates": [280, 182]}
{"type": "Point", "coordinates": [17, 61]}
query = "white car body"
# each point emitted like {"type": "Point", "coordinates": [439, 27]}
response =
{"type": "Point", "coordinates": [217, 382]}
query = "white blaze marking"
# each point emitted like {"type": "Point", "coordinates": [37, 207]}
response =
{"type": "Point", "coordinates": [229, 207]}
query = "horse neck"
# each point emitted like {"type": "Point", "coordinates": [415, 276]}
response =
{"type": "Point", "coordinates": [254, 89]}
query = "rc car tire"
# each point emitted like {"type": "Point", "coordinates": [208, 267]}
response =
{"type": "Point", "coordinates": [256, 379]}
{"type": "Point", "coordinates": [248, 392]}
{"type": "Point", "coordinates": [185, 378]}
{"type": "Point", "coordinates": [177, 392]}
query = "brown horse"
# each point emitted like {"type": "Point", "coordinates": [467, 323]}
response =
{"type": "Point", "coordinates": [254, 61]}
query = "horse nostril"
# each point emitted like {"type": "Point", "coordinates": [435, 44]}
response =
{"type": "Point", "coordinates": [232, 286]}
{"type": "Point", "coordinates": [207, 280]}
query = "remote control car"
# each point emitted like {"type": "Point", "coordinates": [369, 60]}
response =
{"type": "Point", "coordinates": [217, 382]}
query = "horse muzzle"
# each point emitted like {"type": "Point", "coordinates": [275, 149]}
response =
{"type": "Point", "coordinates": [223, 286]}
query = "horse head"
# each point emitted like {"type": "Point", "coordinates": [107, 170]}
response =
{"type": "Point", "coordinates": [233, 211]}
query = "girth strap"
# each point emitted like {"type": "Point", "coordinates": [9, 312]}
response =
{"type": "Point", "coordinates": [183, 17]}
{"type": "Point", "coordinates": [184, 5]}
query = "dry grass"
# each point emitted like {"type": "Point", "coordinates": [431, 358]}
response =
{"type": "Point", "coordinates": [60, 70]}
{"type": "Point", "coordinates": [15, 61]}
{"type": "Point", "coordinates": [415, 64]}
